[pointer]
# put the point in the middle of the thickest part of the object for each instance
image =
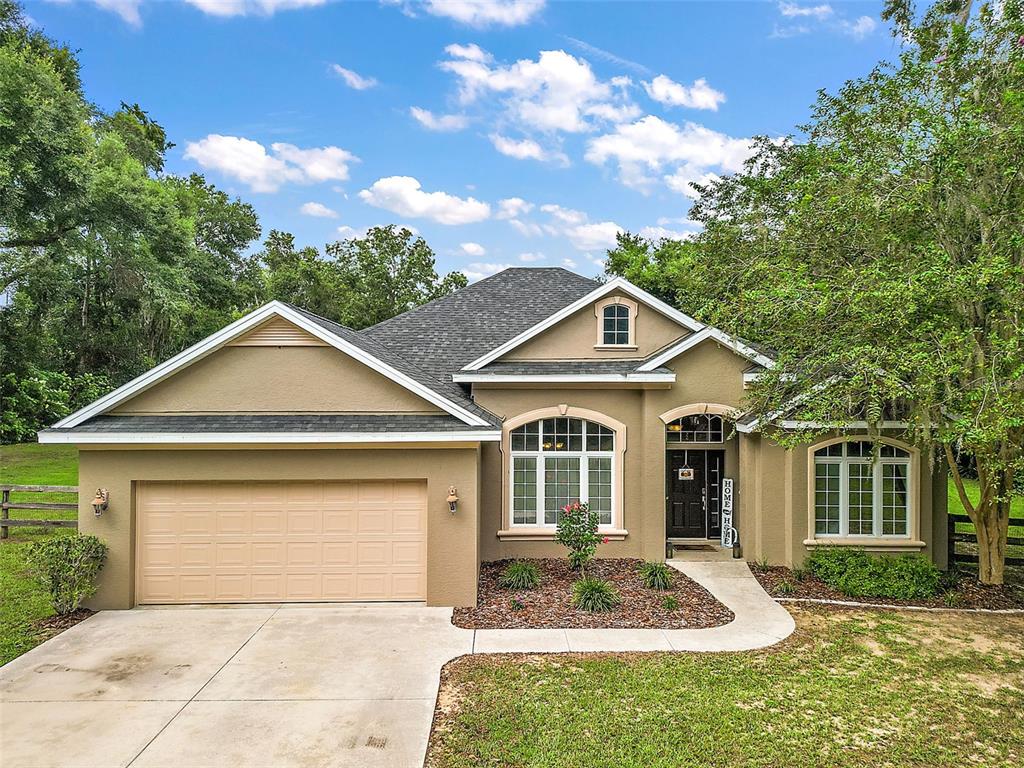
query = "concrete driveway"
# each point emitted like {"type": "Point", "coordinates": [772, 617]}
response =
{"type": "Point", "coordinates": [323, 685]}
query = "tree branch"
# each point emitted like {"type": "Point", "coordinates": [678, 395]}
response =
{"type": "Point", "coordinates": [958, 481]}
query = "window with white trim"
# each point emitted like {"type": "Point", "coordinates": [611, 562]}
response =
{"type": "Point", "coordinates": [860, 494]}
{"type": "Point", "coordinates": [615, 325]}
{"type": "Point", "coordinates": [557, 461]}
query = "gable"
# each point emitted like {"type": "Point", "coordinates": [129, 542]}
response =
{"type": "Point", "coordinates": [576, 336]}
{"type": "Point", "coordinates": [253, 377]}
{"type": "Point", "coordinates": [277, 332]}
{"type": "Point", "coordinates": [708, 372]}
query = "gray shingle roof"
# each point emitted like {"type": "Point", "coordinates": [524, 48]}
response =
{"type": "Point", "coordinates": [311, 423]}
{"type": "Point", "coordinates": [446, 334]}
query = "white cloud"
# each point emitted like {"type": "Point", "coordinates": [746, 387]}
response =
{"type": "Point", "coordinates": [557, 92]}
{"type": "Point", "coordinates": [473, 52]}
{"type": "Point", "coordinates": [661, 233]}
{"type": "Point", "coordinates": [579, 230]}
{"type": "Point", "coordinates": [128, 10]}
{"type": "Point", "coordinates": [403, 195]}
{"type": "Point", "coordinates": [564, 215]}
{"type": "Point", "coordinates": [792, 10]}
{"type": "Point", "coordinates": [250, 7]}
{"type": "Point", "coordinates": [601, 53]}
{"type": "Point", "coordinates": [318, 209]}
{"type": "Point", "coordinates": [651, 145]}
{"type": "Point", "coordinates": [479, 270]}
{"type": "Point", "coordinates": [529, 258]}
{"type": "Point", "coordinates": [263, 171]}
{"type": "Point", "coordinates": [684, 175]}
{"type": "Point", "coordinates": [569, 263]}
{"type": "Point", "coordinates": [484, 13]}
{"type": "Point", "coordinates": [525, 149]}
{"type": "Point", "coordinates": [700, 95]}
{"type": "Point", "coordinates": [473, 249]}
{"type": "Point", "coordinates": [348, 233]}
{"type": "Point", "coordinates": [793, 30]}
{"type": "Point", "coordinates": [444, 123]}
{"type": "Point", "coordinates": [526, 228]}
{"type": "Point", "coordinates": [353, 79]}
{"type": "Point", "coordinates": [858, 29]}
{"type": "Point", "coordinates": [512, 208]}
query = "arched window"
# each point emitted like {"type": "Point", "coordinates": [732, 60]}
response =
{"type": "Point", "coordinates": [615, 325]}
{"type": "Point", "coordinates": [698, 428]}
{"type": "Point", "coordinates": [557, 461]}
{"type": "Point", "coordinates": [860, 493]}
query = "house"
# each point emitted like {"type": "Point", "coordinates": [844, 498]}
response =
{"type": "Point", "coordinates": [287, 458]}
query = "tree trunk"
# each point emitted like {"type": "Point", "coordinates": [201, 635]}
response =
{"type": "Point", "coordinates": [991, 516]}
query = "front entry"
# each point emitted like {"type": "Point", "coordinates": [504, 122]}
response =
{"type": "Point", "coordinates": [693, 494]}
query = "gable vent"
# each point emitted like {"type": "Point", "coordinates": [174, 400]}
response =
{"type": "Point", "coordinates": [277, 333]}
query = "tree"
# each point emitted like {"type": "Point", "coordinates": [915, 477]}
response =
{"type": "Point", "coordinates": [388, 271]}
{"type": "Point", "coordinates": [882, 254]}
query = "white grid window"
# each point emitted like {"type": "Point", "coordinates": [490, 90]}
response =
{"type": "Point", "coordinates": [615, 327]}
{"type": "Point", "coordinates": [556, 462]}
{"type": "Point", "coordinates": [860, 494]}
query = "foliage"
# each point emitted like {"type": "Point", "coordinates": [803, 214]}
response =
{"type": "Point", "coordinates": [656, 575]}
{"type": "Point", "coordinates": [520, 575]}
{"type": "Point", "coordinates": [576, 530]}
{"type": "Point", "coordinates": [594, 595]}
{"type": "Point", "coordinates": [516, 604]}
{"type": "Point", "coordinates": [670, 603]}
{"type": "Point", "coordinates": [41, 398]}
{"type": "Point", "coordinates": [786, 588]}
{"type": "Point", "coordinates": [881, 253]}
{"type": "Point", "coordinates": [67, 566]}
{"type": "Point", "coordinates": [856, 573]}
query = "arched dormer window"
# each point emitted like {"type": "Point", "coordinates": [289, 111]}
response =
{"type": "Point", "coordinates": [616, 323]}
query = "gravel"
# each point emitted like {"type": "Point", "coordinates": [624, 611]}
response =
{"type": "Point", "coordinates": [549, 605]}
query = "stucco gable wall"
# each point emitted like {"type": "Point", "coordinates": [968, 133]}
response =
{"type": "Point", "coordinates": [276, 379]}
{"type": "Point", "coordinates": [574, 337]}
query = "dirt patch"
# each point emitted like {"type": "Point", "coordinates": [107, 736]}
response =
{"type": "Point", "coordinates": [52, 626]}
{"type": "Point", "coordinates": [550, 605]}
{"type": "Point", "coordinates": [965, 592]}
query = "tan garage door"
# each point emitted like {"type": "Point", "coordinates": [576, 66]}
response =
{"type": "Point", "coordinates": [288, 541]}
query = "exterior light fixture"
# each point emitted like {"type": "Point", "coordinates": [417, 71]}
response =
{"type": "Point", "coordinates": [453, 499]}
{"type": "Point", "coordinates": [100, 501]}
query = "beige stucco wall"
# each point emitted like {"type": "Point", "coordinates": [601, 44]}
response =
{"type": "Point", "coordinates": [575, 337]}
{"type": "Point", "coordinates": [286, 379]}
{"type": "Point", "coordinates": [451, 539]}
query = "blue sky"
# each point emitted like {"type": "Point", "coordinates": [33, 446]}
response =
{"type": "Point", "coordinates": [515, 132]}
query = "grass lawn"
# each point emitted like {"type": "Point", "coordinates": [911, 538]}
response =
{"type": "Point", "coordinates": [23, 602]}
{"type": "Point", "coordinates": [848, 689]}
{"type": "Point", "coordinates": [1016, 513]}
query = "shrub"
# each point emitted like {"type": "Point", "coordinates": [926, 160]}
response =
{"type": "Point", "coordinates": [594, 595]}
{"type": "Point", "coordinates": [786, 588]}
{"type": "Point", "coordinates": [577, 532]}
{"type": "Point", "coordinates": [67, 567]}
{"type": "Point", "coordinates": [520, 575]}
{"type": "Point", "coordinates": [857, 574]}
{"type": "Point", "coordinates": [656, 575]}
{"type": "Point", "coordinates": [670, 603]}
{"type": "Point", "coordinates": [516, 604]}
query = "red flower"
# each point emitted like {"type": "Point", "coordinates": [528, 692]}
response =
{"type": "Point", "coordinates": [605, 540]}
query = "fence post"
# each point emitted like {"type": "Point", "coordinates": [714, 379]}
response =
{"type": "Point", "coordinates": [5, 513]}
{"type": "Point", "coordinates": [950, 542]}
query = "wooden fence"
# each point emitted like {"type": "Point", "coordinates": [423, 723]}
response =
{"type": "Point", "coordinates": [42, 506]}
{"type": "Point", "coordinates": [972, 538]}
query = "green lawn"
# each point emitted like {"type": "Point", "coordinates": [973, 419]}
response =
{"type": "Point", "coordinates": [973, 492]}
{"type": "Point", "coordinates": [850, 689]}
{"type": "Point", "coordinates": [23, 602]}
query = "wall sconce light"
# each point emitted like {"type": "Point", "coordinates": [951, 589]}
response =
{"type": "Point", "coordinates": [100, 501]}
{"type": "Point", "coordinates": [453, 499]}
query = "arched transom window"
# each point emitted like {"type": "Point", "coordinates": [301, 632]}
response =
{"type": "Point", "coordinates": [858, 493]}
{"type": "Point", "coordinates": [698, 428]}
{"type": "Point", "coordinates": [558, 461]}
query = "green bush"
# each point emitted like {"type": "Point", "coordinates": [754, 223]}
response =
{"type": "Point", "coordinates": [67, 567]}
{"type": "Point", "coordinates": [576, 530]}
{"type": "Point", "coordinates": [520, 575]}
{"type": "Point", "coordinates": [785, 588]}
{"type": "Point", "coordinates": [656, 575]}
{"type": "Point", "coordinates": [37, 399]}
{"type": "Point", "coordinates": [857, 574]}
{"type": "Point", "coordinates": [594, 595]}
{"type": "Point", "coordinates": [670, 603]}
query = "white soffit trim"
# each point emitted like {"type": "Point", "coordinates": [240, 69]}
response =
{"type": "Point", "coordinates": [618, 284]}
{"type": "Point", "coordinates": [175, 438]}
{"type": "Point", "coordinates": [552, 378]}
{"type": "Point", "coordinates": [215, 341]}
{"type": "Point", "coordinates": [703, 335]}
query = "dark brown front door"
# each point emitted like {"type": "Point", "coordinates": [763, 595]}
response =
{"type": "Point", "coordinates": [693, 491]}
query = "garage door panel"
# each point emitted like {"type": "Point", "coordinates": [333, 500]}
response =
{"type": "Point", "coordinates": [289, 541]}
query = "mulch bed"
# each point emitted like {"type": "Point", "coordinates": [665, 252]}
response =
{"type": "Point", "coordinates": [54, 625]}
{"type": "Point", "coordinates": [550, 605]}
{"type": "Point", "coordinates": [966, 593]}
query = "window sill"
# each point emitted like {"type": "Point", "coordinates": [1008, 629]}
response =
{"type": "Point", "coordinates": [615, 346]}
{"type": "Point", "coordinates": [868, 543]}
{"type": "Point", "coordinates": [548, 534]}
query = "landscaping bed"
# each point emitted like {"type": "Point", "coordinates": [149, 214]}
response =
{"type": "Point", "coordinates": [550, 603]}
{"type": "Point", "coordinates": [964, 592]}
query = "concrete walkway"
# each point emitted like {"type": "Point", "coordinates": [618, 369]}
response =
{"type": "Point", "coordinates": [759, 622]}
{"type": "Point", "coordinates": [291, 686]}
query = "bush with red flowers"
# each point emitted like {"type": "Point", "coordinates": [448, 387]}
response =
{"type": "Point", "coordinates": [577, 532]}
